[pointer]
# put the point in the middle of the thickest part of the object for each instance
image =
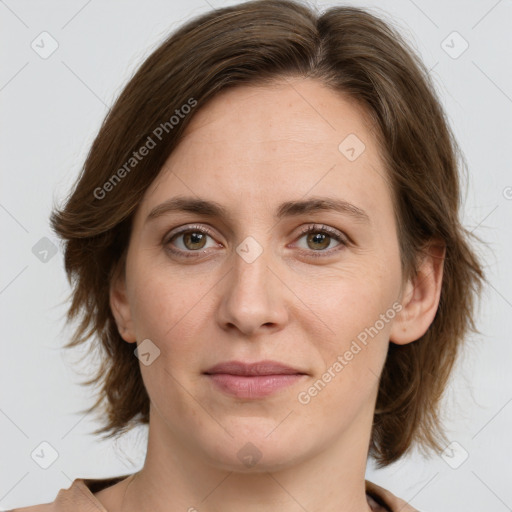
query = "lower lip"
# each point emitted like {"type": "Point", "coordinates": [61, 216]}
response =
{"type": "Point", "coordinates": [254, 386]}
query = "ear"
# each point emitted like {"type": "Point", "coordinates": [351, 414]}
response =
{"type": "Point", "coordinates": [120, 306]}
{"type": "Point", "coordinates": [420, 297]}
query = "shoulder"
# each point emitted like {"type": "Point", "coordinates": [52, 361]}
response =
{"type": "Point", "coordinates": [387, 500]}
{"type": "Point", "coordinates": [46, 507]}
{"type": "Point", "coordinates": [78, 497]}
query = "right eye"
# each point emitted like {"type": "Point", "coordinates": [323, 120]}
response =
{"type": "Point", "coordinates": [193, 239]}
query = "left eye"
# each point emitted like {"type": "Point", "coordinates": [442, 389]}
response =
{"type": "Point", "coordinates": [319, 238]}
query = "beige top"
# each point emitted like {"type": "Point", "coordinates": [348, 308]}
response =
{"type": "Point", "coordinates": [79, 497]}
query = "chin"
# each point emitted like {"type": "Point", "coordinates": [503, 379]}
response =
{"type": "Point", "coordinates": [253, 459]}
{"type": "Point", "coordinates": [257, 446]}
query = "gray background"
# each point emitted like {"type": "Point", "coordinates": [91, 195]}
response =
{"type": "Point", "coordinates": [51, 109]}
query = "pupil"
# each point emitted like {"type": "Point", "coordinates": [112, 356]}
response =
{"type": "Point", "coordinates": [318, 238]}
{"type": "Point", "coordinates": [195, 238]}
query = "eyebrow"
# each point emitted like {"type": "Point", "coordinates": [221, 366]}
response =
{"type": "Point", "coordinates": [286, 209]}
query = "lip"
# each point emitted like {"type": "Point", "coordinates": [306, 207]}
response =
{"type": "Point", "coordinates": [266, 367]}
{"type": "Point", "coordinates": [253, 380]}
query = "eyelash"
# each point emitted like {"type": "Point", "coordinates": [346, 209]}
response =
{"type": "Point", "coordinates": [326, 230]}
{"type": "Point", "coordinates": [315, 228]}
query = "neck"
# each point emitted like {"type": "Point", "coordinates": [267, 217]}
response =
{"type": "Point", "coordinates": [176, 478]}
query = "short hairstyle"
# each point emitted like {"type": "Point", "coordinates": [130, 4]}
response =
{"type": "Point", "coordinates": [258, 42]}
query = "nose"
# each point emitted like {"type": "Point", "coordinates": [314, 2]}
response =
{"type": "Point", "coordinates": [253, 298]}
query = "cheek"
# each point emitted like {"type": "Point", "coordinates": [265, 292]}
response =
{"type": "Point", "coordinates": [352, 359]}
{"type": "Point", "coordinates": [166, 314]}
{"type": "Point", "coordinates": [355, 316]}
{"type": "Point", "coordinates": [349, 301]}
{"type": "Point", "coordinates": [168, 311]}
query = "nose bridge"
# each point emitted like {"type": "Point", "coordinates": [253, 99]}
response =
{"type": "Point", "coordinates": [251, 274]}
{"type": "Point", "coordinates": [253, 253]}
{"type": "Point", "coordinates": [252, 298]}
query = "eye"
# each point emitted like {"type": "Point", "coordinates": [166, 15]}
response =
{"type": "Point", "coordinates": [319, 237]}
{"type": "Point", "coordinates": [193, 239]}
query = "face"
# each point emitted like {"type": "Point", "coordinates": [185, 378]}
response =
{"type": "Point", "coordinates": [246, 281]}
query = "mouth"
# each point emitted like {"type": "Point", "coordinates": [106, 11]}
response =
{"type": "Point", "coordinates": [253, 380]}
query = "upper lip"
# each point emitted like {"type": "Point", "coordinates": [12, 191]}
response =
{"type": "Point", "coordinates": [258, 368]}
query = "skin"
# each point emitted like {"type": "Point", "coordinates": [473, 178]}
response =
{"type": "Point", "coordinates": [250, 149]}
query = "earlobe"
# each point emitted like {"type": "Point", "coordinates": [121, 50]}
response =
{"type": "Point", "coordinates": [420, 298]}
{"type": "Point", "coordinates": [120, 306]}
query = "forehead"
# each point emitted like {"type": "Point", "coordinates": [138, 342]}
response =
{"type": "Point", "coordinates": [303, 109]}
{"type": "Point", "coordinates": [262, 143]}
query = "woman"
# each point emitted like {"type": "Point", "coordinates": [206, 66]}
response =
{"type": "Point", "coordinates": [265, 239]}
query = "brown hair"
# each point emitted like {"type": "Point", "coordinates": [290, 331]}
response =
{"type": "Point", "coordinates": [349, 50]}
